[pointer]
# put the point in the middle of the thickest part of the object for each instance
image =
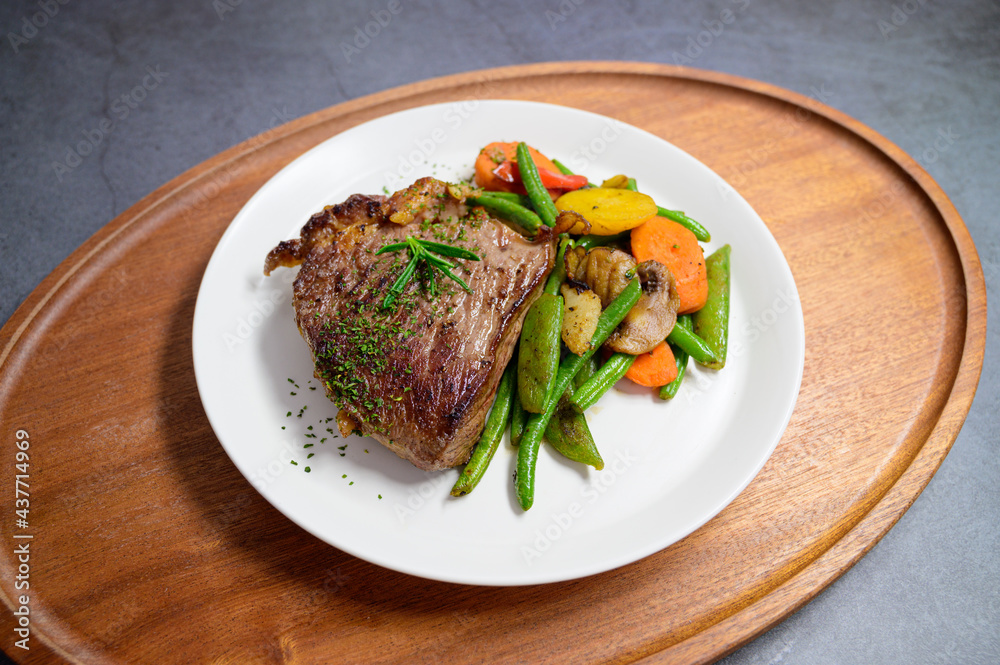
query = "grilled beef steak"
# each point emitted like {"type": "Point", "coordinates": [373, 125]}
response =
{"type": "Point", "coordinates": [418, 376]}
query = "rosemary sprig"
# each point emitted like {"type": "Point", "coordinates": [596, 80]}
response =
{"type": "Point", "coordinates": [421, 250]}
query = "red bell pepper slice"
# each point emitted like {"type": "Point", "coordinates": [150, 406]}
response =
{"type": "Point", "coordinates": [508, 172]}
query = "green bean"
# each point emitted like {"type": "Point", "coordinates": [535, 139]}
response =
{"type": "Point", "coordinates": [699, 231]}
{"type": "Point", "coordinates": [558, 274]}
{"type": "Point", "coordinates": [592, 240]}
{"type": "Point", "coordinates": [611, 371]}
{"type": "Point", "coordinates": [711, 322]}
{"type": "Point", "coordinates": [532, 182]}
{"type": "Point", "coordinates": [521, 219]}
{"type": "Point", "coordinates": [669, 391]}
{"type": "Point", "coordinates": [527, 454]}
{"type": "Point", "coordinates": [562, 167]}
{"type": "Point", "coordinates": [513, 197]}
{"type": "Point", "coordinates": [695, 346]}
{"type": "Point", "coordinates": [518, 418]}
{"type": "Point", "coordinates": [538, 353]}
{"type": "Point", "coordinates": [569, 434]}
{"type": "Point", "coordinates": [496, 423]}
{"type": "Point", "coordinates": [587, 371]}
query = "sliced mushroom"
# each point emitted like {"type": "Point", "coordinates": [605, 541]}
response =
{"type": "Point", "coordinates": [652, 318]}
{"type": "Point", "coordinates": [581, 310]}
{"type": "Point", "coordinates": [604, 270]}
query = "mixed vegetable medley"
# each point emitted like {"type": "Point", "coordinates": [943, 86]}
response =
{"type": "Point", "coordinates": [631, 295]}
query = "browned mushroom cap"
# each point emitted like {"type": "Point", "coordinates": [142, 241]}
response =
{"type": "Point", "coordinates": [652, 318]}
{"type": "Point", "coordinates": [604, 270]}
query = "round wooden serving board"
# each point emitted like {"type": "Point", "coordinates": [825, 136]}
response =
{"type": "Point", "coordinates": [148, 546]}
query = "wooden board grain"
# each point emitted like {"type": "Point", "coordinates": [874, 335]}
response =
{"type": "Point", "coordinates": [149, 546]}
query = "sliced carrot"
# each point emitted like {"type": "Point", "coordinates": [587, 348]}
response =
{"type": "Point", "coordinates": [677, 248]}
{"type": "Point", "coordinates": [497, 153]}
{"type": "Point", "coordinates": [654, 369]}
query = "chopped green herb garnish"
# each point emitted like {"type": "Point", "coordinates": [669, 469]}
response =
{"type": "Point", "coordinates": [421, 250]}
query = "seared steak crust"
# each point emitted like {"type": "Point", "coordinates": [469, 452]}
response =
{"type": "Point", "coordinates": [420, 376]}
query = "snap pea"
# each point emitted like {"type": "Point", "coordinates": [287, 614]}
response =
{"type": "Point", "coordinates": [669, 391]}
{"type": "Point", "coordinates": [569, 434]}
{"type": "Point", "coordinates": [538, 353]}
{"type": "Point", "coordinates": [532, 182]}
{"type": "Point", "coordinates": [611, 371]}
{"type": "Point", "coordinates": [711, 322]}
{"type": "Point", "coordinates": [521, 219]}
{"type": "Point", "coordinates": [699, 231]}
{"type": "Point", "coordinates": [496, 423]}
{"type": "Point", "coordinates": [695, 346]}
{"type": "Point", "coordinates": [527, 454]}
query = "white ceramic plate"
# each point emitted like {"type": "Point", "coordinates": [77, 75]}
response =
{"type": "Point", "coordinates": [670, 466]}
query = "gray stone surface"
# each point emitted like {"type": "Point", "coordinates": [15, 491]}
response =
{"type": "Point", "coordinates": [181, 81]}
